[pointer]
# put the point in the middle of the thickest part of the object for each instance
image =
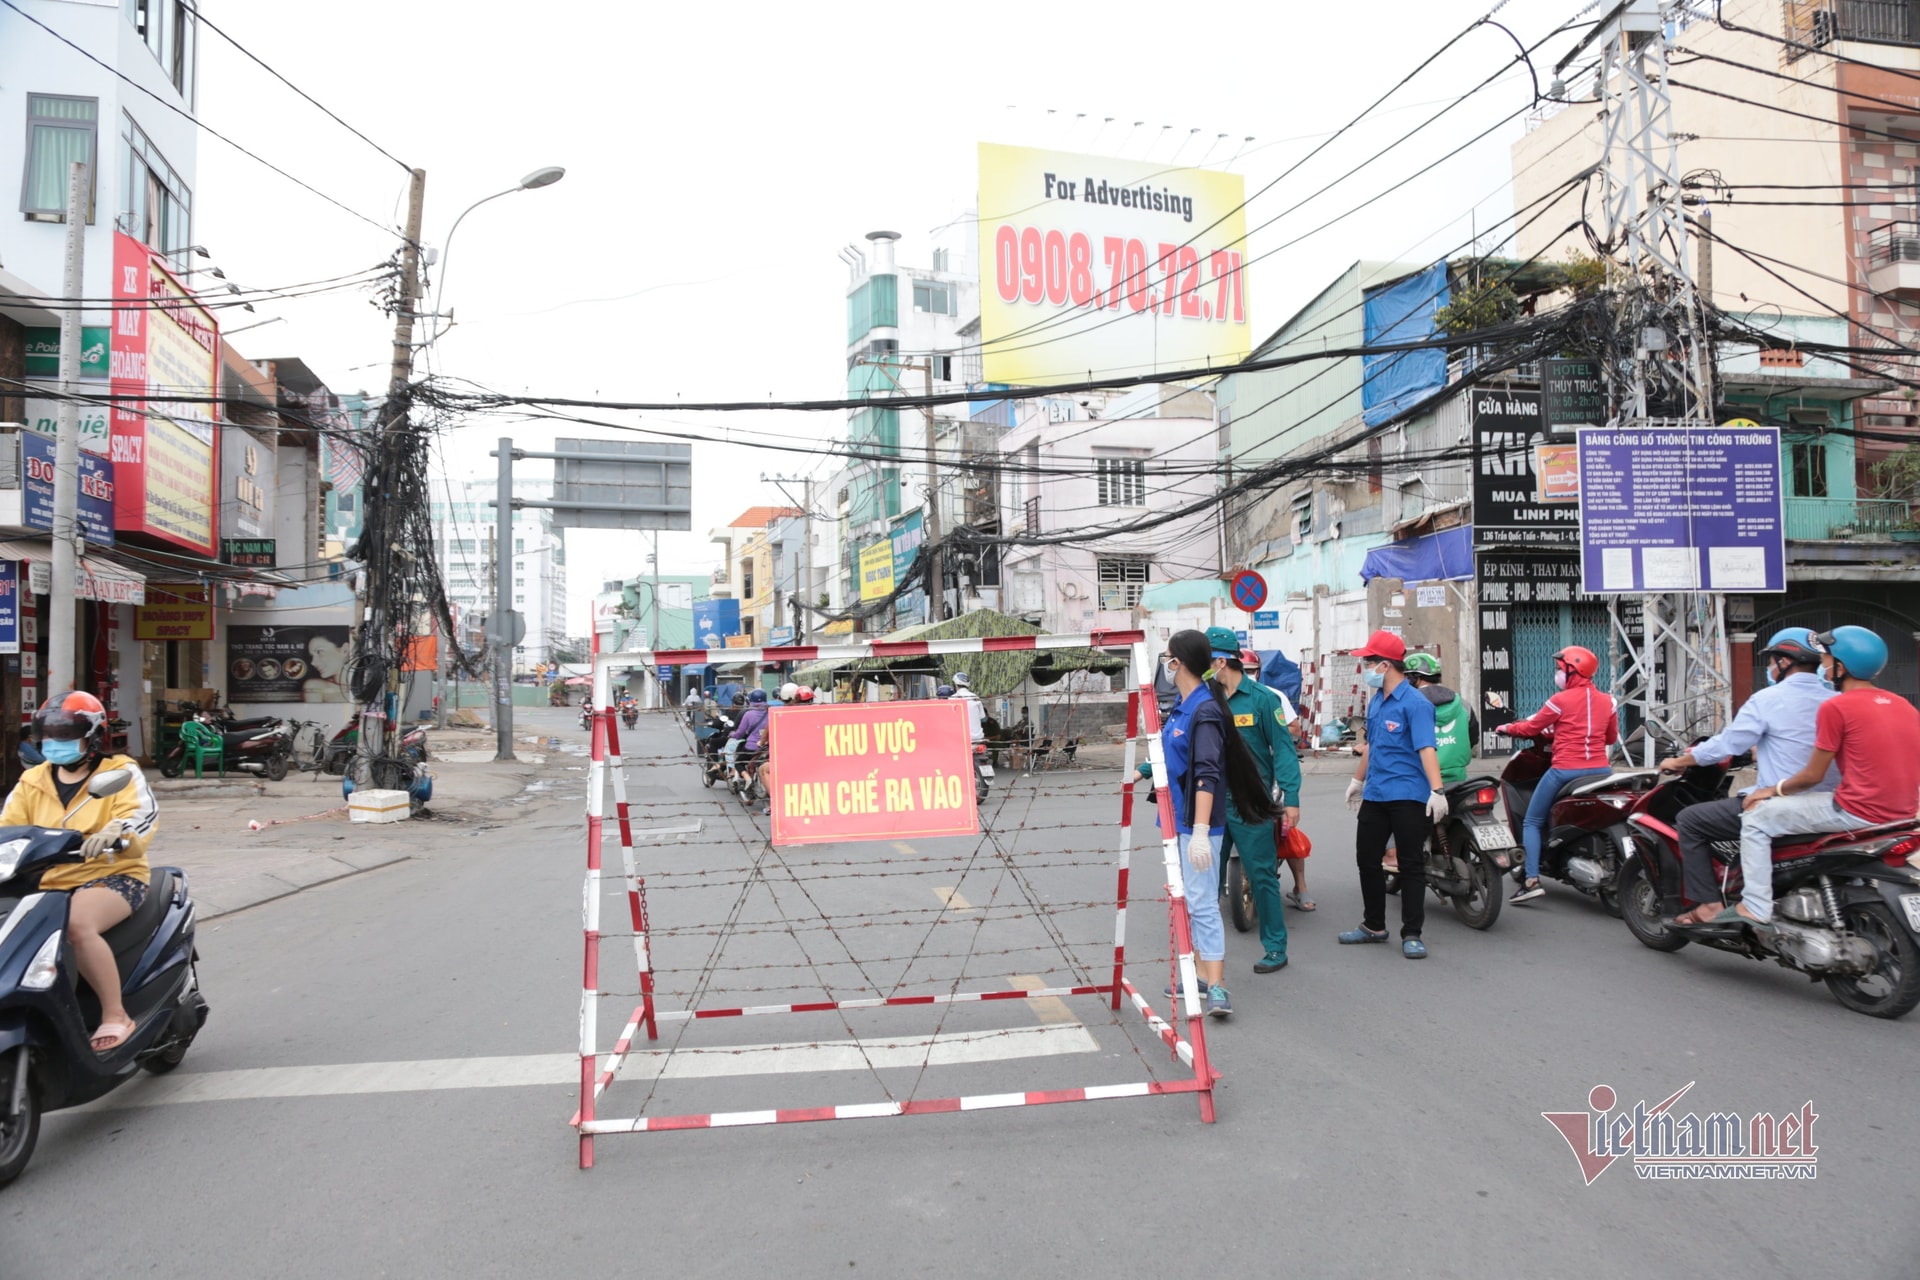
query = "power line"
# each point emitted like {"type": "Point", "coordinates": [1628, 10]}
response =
{"type": "Point", "coordinates": [202, 20]}
{"type": "Point", "coordinates": [200, 124]}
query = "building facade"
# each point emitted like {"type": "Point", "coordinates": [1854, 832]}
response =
{"type": "Point", "coordinates": [466, 539]}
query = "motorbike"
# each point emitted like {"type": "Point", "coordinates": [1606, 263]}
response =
{"type": "Point", "coordinates": [586, 716]}
{"type": "Point", "coordinates": [711, 738]}
{"type": "Point", "coordinates": [1585, 842]}
{"type": "Point", "coordinates": [745, 780]}
{"type": "Point", "coordinates": [629, 714]}
{"type": "Point", "coordinates": [982, 773]}
{"type": "Point", "coordinates": [260, 745]}
{"type": "Point", "coordinates": [1470, 853]}
{"type": "Point", "coordinates": [47, 1012]}
{"type": "Point", "coordinates": [1846, 905]}
{"type": "Point", "coordinates": [340, 751]}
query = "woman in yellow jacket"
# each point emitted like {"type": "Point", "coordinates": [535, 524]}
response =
{"type": "Point", "coordinates": [71, 733]}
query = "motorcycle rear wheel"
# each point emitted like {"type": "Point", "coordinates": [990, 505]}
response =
{"type": "Point", "coordinates": [172, 765]}
{"type": "Point", "coordinates": [1640, 910]}
{"type": "Point", "coordinates": [1893, 988]}
{"type": "Point", "coordinates": [1480, 907]}
{"type": "Point", "coordinates": [1240, 897]}
{"type": "Point", "coordinates": [277, 764]}
{"type": "Point", "coordinates": [18, 1134]}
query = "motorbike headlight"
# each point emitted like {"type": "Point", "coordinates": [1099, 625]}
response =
{"type": "Point", "coordinates": [10, 854]}
{"type": "Point", "coordinates": [45, 965]}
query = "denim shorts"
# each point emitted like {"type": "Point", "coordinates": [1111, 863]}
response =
{"type": "Point", "coordinates": [126, 886]}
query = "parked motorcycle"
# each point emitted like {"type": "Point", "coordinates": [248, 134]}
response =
{"type": "Point", "coordinates": [1585, 843]}
{"type": "Point", "coordinates": [260, 745]}
{"type": "Point", "coordinates": [982, 773]}
{"type": "Point", "coordinates": [340, 751]}
{"type": "Point", "coordinates": [1846, 905]}
{"type": "Point", "coordinates": [47, 1012]}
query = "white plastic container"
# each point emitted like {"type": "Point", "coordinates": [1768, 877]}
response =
{"type": "Point", "coordinates": [378, 806]}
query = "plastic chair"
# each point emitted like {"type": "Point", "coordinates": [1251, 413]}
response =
{"type": "Point", "coordinates": [200, 743]}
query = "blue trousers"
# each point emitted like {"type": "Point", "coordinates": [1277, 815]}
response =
{"type": "Point", "coordinates": [1534, 833]}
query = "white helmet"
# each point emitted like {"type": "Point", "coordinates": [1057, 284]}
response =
{"type": "Point", "coordinates": [788, 690]}
{"type": "Point", "coordinates": [960, 680]}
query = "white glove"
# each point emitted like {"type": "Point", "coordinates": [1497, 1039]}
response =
{"type": "Point", "coordinates": [1200, 850]}
{"type": "Point", "coordinates": [1437, 808]}
{"type": "Point", "coordinates": [104, 842]}
{"type": "Point", "coordinates": [1353, 793]}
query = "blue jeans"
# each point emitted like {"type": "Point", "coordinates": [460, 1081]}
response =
{"type": "Point", "coordinates": [1534, 833]}
{"type": "Point", "coordinates": [1202, 888]}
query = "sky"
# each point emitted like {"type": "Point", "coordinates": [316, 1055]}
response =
{"type": "Point", "coordinates": [718, 159]}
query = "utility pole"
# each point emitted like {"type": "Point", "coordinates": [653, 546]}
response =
{"type": "Point", "coordinates": [803, 590]}
{"type": "Point", "coordinates": [504, 618]}
{"type": "Point", "coordinates": [380, 610]}
{"type": "Point", "coordinates": [62, 629]}
{"type": "Point", "coordinates": [493, 577]}
{"type": "Point", "coordinates": [935, 575]}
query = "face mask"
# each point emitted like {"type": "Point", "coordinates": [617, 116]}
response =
{"type": "Point", "coordinates": [1773, 674]}
{"type": "Point", "coordinates": [60, 750]}
{"type": "Point", "coordinates": [1169, 668]}
{"type": "Point", "coordinates": [1374, 677]}
{"type": "Point", "coordinates": [1826, 678]}
{"type": "Point", "coordinates": [1560, 679]}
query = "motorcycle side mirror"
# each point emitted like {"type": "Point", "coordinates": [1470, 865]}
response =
{"type": "Point", "coordinates": [112, 782]}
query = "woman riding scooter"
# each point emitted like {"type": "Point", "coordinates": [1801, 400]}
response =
{"type": "Point", "coordinates": [71, 733]}
{"type": "Point", "coordinates": [1584, 722]}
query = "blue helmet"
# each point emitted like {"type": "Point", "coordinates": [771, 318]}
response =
{"type": "Point", "coordinates": [757, 697]}
{"type": "Point", "coordinates": [944, 691]}
{"type": "Point", "coordinates": [1859, 650]}
{"type": "Point", "coordinates": [1793, 643]}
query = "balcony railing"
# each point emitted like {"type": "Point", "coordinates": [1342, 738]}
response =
{"type": "Point", "coordinates": [1815, 24]}
{"type": "Point", "coordinates": [1893, 242]}
{"type": "Point", "coordinates": [1826, 519]}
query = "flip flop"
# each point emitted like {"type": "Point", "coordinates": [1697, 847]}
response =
{"type": "Point", "coordinates": [1299, 903]}
{"type": "Point", "coordinates": [1731, 915]}
{"type": "Point", "coordinates": [119, 1031]}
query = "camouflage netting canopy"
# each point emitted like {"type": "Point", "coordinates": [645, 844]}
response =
{"type": "Point", "coordinates": [993, 675]}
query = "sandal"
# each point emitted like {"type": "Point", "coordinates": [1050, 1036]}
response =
{"type": "Point", "coordinates": [114, 1031]}
{"type": "Point", "coordinates": [1301, 903]}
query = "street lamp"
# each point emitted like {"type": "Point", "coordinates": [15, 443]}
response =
{"type": "Point", "coordinates": [542, 177]}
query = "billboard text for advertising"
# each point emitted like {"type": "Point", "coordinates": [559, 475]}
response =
{"type": "Point", "coordinates": [9, 606]}
{"type": "Point", "coordinates": [1093, 263]}
{"type": "Point", "coordinates": [286, 664]}
{"type": "Point", "coordinates": [95, 508]}
{"type": "Point", "coordinates": [175, 611]}
{"type": "Point", "coordinates": [876, 570]}
{"type": "Point", "coordinates": [871, 771]}
{"type": "Point", "coordinates": [165, 358]}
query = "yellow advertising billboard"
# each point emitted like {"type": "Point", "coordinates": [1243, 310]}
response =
{"type": "Point", "coordinates": [876, 570]}
{"type": "Point", "coordinates": [1090, 264]}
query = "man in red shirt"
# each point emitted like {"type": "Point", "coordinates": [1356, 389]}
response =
{"type": "Point", "coordinates": [1873, 735]}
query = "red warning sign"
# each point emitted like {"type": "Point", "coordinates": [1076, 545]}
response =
{"type": "Point", "coordinates": [871, 771]}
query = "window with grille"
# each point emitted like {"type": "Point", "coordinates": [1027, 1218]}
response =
{"type": "Point", "coordinates": [1123, 481]}
{"type": "Point", "coordinates": [1121, 580]}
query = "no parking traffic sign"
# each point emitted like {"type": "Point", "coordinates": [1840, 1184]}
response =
{"type": "Point", "coordinates": [1249, 590]}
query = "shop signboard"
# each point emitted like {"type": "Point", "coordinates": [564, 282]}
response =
{"type": "Point", "coordinates": [1572, 394]}
{"type": "Point", "coordinates": [43, 417]}
{"type": "Point", "coordinates": [1125, 265]}
{"type": "Point", "coordinates": [714, 621]}
{"type": "Point", "coordinates": [175, 611]}
{"type": "Point", "coordinates": [876, 570]}
{"type": "Point", "coordinates": [1681, 506]}
{"type": "Point", "coordinates": [9, 606]}
{"type": "Point", "coordinates": [95, 508]}
{"type": "Point", "coordinates": [1508, 477]}
{"type": "Point", "coordinates": [43, 352]}
{"type": "Point", "coordinates": [165, 364]}
{"type": "Point", "coordinates": [287, 664]}
{"type": "Point", "coordinates": [250, 553]}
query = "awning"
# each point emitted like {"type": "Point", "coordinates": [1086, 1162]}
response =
{"type": "Point", "coordinates": [95, 579]}
{"type": "Point", "coordinates": [1430, 557]}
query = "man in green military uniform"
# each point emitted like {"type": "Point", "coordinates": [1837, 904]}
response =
{"type": "Point", "coordinates": [1453, 727]}
{"type": "Point", "coordinates": [1262, 724]}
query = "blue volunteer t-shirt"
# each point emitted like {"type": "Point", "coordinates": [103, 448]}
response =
{"type": "Point", "coordinates": [1399, 725]}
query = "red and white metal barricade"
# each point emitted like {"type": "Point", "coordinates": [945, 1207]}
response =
{"type": "Point", "coordinates": [1184, 1037]}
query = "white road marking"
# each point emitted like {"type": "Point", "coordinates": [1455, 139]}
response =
{"type": "Point", "coordinates": [947, 1049]}
{"type": "Point", "coordinates": [953, 898]}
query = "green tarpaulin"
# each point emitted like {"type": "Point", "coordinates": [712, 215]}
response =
{"type": "Point", "coordinates": [992, 675]}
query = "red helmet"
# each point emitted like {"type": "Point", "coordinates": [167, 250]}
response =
{"type": "Point", "coordinates": [805, 694]}
{"type": "Point", "coordinates": [1579, 660]}
{"type": "Point", "coordinates": [1250, 660]}
{"type": "Point", "coordinates": [73, 717]}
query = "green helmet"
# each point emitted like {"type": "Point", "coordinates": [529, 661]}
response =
{"type": "Point", "coordinates": [1423, 664]}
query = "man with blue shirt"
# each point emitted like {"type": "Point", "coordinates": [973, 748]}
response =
{"type": "Point", "coordinates": [1397, 792]}
{"type": "Point", "coordinates": [1777, 725]}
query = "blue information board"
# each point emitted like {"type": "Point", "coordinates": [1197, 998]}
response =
{"type": "Point", "coordinates": [1681, 507]}
{"type": "Point", "coordinates": [96, 489]}
{"type": "Point", "coordinates": [1266, 620]}
{"type": "Point", "coordinates": [9, 606]}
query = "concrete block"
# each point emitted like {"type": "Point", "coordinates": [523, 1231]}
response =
{"type": "Point", "coordinates": [378, 806]}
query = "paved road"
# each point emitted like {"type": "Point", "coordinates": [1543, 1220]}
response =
{"type": "Point", "coordinates": [1377, 1117]}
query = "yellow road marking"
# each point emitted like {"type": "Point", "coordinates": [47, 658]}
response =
{"type": "Point", "coordinates": [1050, 1010]}
{"type": "Point", "coordinates": [951, 896]}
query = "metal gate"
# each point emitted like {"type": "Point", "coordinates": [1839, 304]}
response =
{"type": "Point", "coordinates": [1542, 630]}
{"type": "Point", "coordinates": [1902, 675]}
